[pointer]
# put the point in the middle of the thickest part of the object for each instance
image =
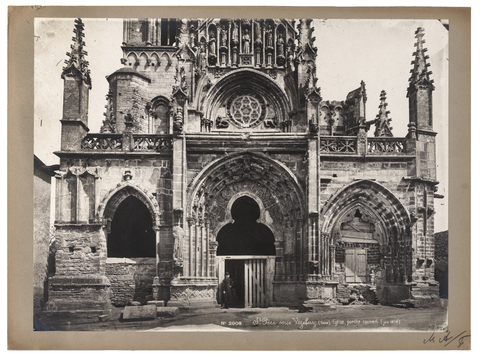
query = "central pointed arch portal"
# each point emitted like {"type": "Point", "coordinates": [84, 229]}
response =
{"type": "Point", "coordinates": [245, 215]}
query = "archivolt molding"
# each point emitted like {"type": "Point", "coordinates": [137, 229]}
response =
{"type": "Point", "coordinates": [376, 200]}
{"type": "Point", "coordinates": [116, 195]}
{"type": "Point", "coordinates": [213, 190]}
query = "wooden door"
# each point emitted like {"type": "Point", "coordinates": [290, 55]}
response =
{"type": "Point", "coordinates": [255, 283]}
{"type": "Point", "coordinates": [356, 265]}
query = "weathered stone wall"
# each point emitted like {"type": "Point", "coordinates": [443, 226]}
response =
{"type": "Point", "coordinates": [289, 293]}
{"type": "Point", "coordinates": [41, 228]}
{"type": "Point", "coordinates": [130, 279]}
{"type": "Point", "coordinates": [81, 250]}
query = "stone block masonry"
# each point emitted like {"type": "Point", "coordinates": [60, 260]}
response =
{"type": "Point", "coordinates": [130, 279]}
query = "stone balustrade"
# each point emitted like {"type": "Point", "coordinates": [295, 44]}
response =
{"type": "Point", "coordinates": [355, 145]}
{"type": "Point", "coordinates": [134, 142]}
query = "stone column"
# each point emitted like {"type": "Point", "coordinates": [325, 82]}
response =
{"type": "Point", "coordinates": [156, 284]}
{"type": "Point", "coordinates": [229, 45]}
{"type": "Point", "coordinates": [212, 252]}
{"type": "Point", "coordinates": [197, 247]}
{"type": "Point", "coordinates": [190, 222]}
{"type": "Point", "coordinates": [313, 242]}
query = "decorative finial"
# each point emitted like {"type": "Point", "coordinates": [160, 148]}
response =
{"type": "Point", "coordinates": [77, 65]}
{"type": "Point", "coordinates": [420, 73]}
{"type": "Point", "coordinates": [109, 125]}
{"type": "Point", "coordinates": [382, 120]}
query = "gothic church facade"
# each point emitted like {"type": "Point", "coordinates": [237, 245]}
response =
{"type": "Point", "coordinates": [218, 154]}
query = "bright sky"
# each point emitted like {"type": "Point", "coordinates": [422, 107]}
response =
{"type": "Point", "coordinates": [379, 52]}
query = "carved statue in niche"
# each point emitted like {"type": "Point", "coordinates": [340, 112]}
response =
{"type": "Point", "coordinates": [192, 37]}
{"type": "Point", "coordinates": [183, 79]}
{"type": "Point", "coordinates": [280, 45]}
{"type": "Point", "coordinates": [221, 122]}
{"type": "Point", "coordinates": [223, 37]}
{"type": "Point", "coordinates": [269, 41]}
{"type": "Point", "coordinates": [247, 41]}
{"type": "Point", "coordinates": [179, 235]}
{"type": "Point", "coordinates": [290, 60]}
{"type": "Point", "coordinates": [202, 57]}
{"type": "Point", "coordinates": [212, 44]}
{"type": "Point", "coordinates": [235, 35]}
{"type": "Point", "coordinates": [258, 42]}
{"type": "Point", "coordinates": [179, 120]}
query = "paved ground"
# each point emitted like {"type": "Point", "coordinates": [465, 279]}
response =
{"type": "Point", "coordinates": [344, 318]}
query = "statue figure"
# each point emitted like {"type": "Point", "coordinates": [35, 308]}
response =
{"type": "Point", "coordinates": [202, 57]}
{"type": "Point", "coordinates": [223, 37]}
{"type": "Point", "coordinates": [183, 79]}
{"type": "Point", "coordinates": [290, 60]}
{"type": "Point", "coordinates": [258, 42]}
{"type": "Point", "coordinates": [192, 40]}
{"type": "Point", "coordinates": [247, 39]}
{"type": "Point", "coordinates": [179, 235]}
{"type": "Point", "coordinates": [179, 120]}
{"type": "Point", "coordinates": [269, 37]}
{"type": "Point", "coordinates": [212, 48]}
{"type": "Point", "coordinates": [280, 45]}
{"type": "Point", "coordinates": [235, 34]}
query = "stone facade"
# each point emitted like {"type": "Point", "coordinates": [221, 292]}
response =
{"type": "Point", "coordinates": [209, 115]}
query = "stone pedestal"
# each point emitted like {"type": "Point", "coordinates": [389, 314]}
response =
{"type": "Point", "coordinates": [72, 293]}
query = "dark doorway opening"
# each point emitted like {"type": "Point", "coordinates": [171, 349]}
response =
{"type": "Point", "coordinates": [235, 268]}
{"type": "Point", "coordinates": [245, 236]}
{"type": "Point", "coordinates": [131, 234]}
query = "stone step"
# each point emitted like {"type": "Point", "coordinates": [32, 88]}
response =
{"type": "Point", "coordinates": [157, 303]}
{"type": "Point", "coordinates": [317, 307]}
{"type": "Point", "coordinates": [140, 312]}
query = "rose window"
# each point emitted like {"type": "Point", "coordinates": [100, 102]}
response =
{"type": "Point", "coordinates": [247, 111]}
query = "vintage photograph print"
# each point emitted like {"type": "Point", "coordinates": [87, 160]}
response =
{"type": "Point", "coordinates": [241, 174]}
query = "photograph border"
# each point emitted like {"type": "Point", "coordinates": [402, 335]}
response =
{"type": "Point", "coordinates": [20, 192]}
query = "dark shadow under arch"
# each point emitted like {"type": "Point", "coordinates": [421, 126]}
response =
{"type": "Point", "coordinates": [245, 236]}
{"type": "Point", "coordinates": [131, 234]}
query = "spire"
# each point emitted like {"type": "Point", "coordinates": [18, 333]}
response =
{"type": "Point", "coordinates": [382, 120]}
{"type": "Point", "coordinates": [305, 39]}
{"type": "Point", "coordinates": [109, 124]}
{"type": "Point", "coordinates": [420, 73]}
{"type": "Point", "coordinates": [77, 65]}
